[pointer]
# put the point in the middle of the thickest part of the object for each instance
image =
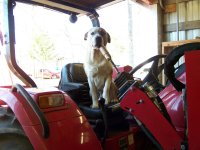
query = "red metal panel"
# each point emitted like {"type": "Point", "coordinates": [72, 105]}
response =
{"type": "Point", "coordinates": [126, 68]}
{"type": "Point", "coordinates": [122, 140]}
{"type": "Point", "coordinates": [22, 111]}
{"type": "Point", "coordinates": [174, 104]}
{"type": "Point", "coordinates": [139, 104]}
{"type": "Point", "coordinates": [69, 129]}
{"type": "Point", "coordinates": [192, 60]}
{"type": "Point", "coordinates": [72, 133]}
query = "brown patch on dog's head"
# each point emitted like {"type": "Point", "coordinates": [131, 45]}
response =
{"type": "Point", "coordinates": [97, 37]}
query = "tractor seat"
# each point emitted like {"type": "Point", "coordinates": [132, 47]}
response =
{"type": "Point", "coordinates": [74, 82]}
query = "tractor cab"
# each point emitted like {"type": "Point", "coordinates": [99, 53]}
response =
{"type": "Point", "coordinates": [33, 113]}
{"type": "Point", "coordinates": [48, 106]}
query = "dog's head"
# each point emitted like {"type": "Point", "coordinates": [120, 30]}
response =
{"type": "Point", "coordinates": [97, 37]}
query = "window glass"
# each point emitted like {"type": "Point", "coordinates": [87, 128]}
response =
{"type": "Point", "coordinates": [45, 43]}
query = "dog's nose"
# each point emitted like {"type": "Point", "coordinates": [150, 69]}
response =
{"type": "Point", "coordinates": [98, 41]}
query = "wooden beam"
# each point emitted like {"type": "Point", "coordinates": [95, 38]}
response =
{"type": "Point", "coordinates": [170, 8]}
{"type": "Point", "coordinates": [189, 25]}
{"type": "Point", "coordinates": [168, 46]}
{"type": "Point", "coordinates": [160, 28]}
{"type": "Point", "coordinates": [108, 4]}
{"type": "Point", "coordinates": [148, 2]}
{"type": "Point", "coordinates": [167, 2]}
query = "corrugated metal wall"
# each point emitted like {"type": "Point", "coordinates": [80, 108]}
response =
{"type": "Point", "coordinates": [188, 11]}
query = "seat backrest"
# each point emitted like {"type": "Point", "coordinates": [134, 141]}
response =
{"type": "Point", "coordinates": [73, 81]}
{"type": "Point", "coordinates": [73, 72]}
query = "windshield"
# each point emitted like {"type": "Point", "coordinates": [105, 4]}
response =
{"type": "Point", "coordinates": [45, 43]}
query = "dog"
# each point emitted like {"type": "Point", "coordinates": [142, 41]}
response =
{"type": "Point", "coordinates": [98, 69]}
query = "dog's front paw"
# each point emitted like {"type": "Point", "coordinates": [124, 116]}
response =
{"type": "Point", "coordinates": [94, 106]}
{"type": "Point", "coordinates": [107, 101]}
{"type": "Point", "coordinates": [115, 100]}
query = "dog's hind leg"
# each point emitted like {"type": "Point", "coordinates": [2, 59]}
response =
{"type": "Point", "coordinates": [113, 93]}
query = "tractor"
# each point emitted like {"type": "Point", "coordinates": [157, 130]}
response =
{"type": "Point", "coordinates": [149, 116]}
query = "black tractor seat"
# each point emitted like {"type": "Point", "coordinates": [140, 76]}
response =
{"type": "Point", "coordinates": [74, 82]}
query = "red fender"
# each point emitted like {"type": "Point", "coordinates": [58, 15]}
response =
{"type": "Point", "coordinates": [69, 129]}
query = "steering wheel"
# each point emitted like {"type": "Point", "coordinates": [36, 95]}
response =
{"type": "Point", "coordinates": [125, 79]}
{"type": "Point", "coordinates": [155, 70]}
{"type": "Point", "coordinates": [172, 58]}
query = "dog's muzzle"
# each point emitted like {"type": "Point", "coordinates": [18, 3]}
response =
{"type": "Point", "coordinates": [98, 41]}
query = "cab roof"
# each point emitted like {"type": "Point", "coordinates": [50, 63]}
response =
{"type": "Point", "coordinates": [75, 6]}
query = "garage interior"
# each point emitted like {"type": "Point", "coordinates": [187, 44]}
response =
{"type": "Point", "coordinates": [153, 113]}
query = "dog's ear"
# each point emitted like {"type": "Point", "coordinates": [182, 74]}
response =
{"type": "Point", "coordinates": [86, 35]}
{"type": "Point", "coordinates": [109, 39]}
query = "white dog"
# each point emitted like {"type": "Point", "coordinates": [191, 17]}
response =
{"type": "Point", "coordinates": [98, 69]}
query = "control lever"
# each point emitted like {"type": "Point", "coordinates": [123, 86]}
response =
{"type": "Point", "coordinates": [106, 54]}
{"type": "Point", "coordinates": [104, 115]}
{"type": "Point", "coordinates": [122, 78]}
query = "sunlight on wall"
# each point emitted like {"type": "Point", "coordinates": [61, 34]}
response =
{"type": "Point", "coordinates": [144, 32]}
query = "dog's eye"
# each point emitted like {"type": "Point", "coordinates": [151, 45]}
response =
{"type": "Point", "coordinates": [102, 33]}
{"type": "Point", "coordinates": [92, 33]}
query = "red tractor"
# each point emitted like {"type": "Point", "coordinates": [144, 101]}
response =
{"type": "Point", "coordinates": [149, 115]}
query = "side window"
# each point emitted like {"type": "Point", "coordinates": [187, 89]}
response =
{"type": "Point", "coordinates": [44, 47]}
{"type": "Point", "coordinates": [1, 27]}
{"type": "Point", "coordinates": [5, 74]}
